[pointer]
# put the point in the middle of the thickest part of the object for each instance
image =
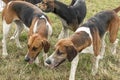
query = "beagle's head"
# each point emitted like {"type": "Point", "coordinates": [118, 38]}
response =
{"type": "Point", "coordinates": [64, 49]}
{"type": "Point", "coordinates": [47, 5]}
{"type": "Point", "coordinates": [35, 45]}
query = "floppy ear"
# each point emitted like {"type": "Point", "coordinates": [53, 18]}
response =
{"type": "Point", "coordinates": [71, 52]}
{"type": "Point", "coordinates": [46, 45]}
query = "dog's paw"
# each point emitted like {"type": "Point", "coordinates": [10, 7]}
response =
{"type": "Point", "coordinates": [94, 72]}
{"type": "Point", "coordinates": [4, 55]}
{"type": "Point", "coordinates": [12, 38]}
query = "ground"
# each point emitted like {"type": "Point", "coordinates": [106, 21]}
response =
{"type": "Point", "coordinates": [15, 68]}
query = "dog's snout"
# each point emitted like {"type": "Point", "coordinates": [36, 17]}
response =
{"type": "Point", "coordinates": [48, 61]}
{"type": "Point", "coordinates": [27, 59]}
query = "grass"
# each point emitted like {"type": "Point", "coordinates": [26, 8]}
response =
{"type": "Point", "coordinates": [15, 68]}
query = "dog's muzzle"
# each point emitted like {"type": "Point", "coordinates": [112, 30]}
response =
{"type": "Point", "coordinates": [53, 64]}
{"type": "Point", "coordinates": [27, 59]}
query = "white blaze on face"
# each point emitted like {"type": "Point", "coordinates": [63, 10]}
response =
{"type": "Point", "coordinates": [51, 58]}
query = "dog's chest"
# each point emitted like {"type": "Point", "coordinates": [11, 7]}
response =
{"type": "Point", "coordinates": [88, 49]}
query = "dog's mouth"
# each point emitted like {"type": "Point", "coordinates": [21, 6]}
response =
{"type": "Point", "coordinates": [31, 61]}
{"type": "Point", "coordinates": [56, 64]}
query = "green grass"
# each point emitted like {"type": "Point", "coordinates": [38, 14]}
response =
{"type": "Point", "coordinates": [15, 68]}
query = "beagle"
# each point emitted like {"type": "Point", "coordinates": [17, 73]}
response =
{"type": "Point", "coordinates": [37, 22]}
{"type": "Point", "coordinates": [71, 15]}
{"type": "Point", "coordinates": [35, 2]}
{"type": "Point", "coordinates": [88, 38]}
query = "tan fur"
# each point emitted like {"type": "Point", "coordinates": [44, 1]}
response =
{"type": "Point", "coordinates": [96, 42]}
{"type": "Point", "coordinates": [9, 17]}
{"type": "Point", "coordinates": [40, 30]}
{"type": "Point", "coordinates": [43, 5]}
{"type": "Point", "coordinates": [114, 27]}
{"type": "Point", "coordinates": [69, 47]}
{"type": "Point", "coordinates": [82, 42]}
{"type": "Point", "coordinates": [38, 40]}
{"type": "Point", "coordinates": [31, 27]}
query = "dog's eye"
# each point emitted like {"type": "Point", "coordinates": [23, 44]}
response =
{"type": "Point", "coordinates": [59, 53]}
{"type": "Point", "coordinates": [34, 48]}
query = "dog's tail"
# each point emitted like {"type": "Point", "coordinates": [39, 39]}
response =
{"type": "Point", "coordinates": [117, 9]}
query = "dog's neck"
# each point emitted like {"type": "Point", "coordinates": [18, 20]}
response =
{"type": "Point", "coordinates": [81, 40]}
{"type": "Point", "coordinates": [39, 26]}
{"type": "Point", "coordinates": [62, 10]}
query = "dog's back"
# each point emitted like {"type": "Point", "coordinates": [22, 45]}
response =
{"type": "Point", "coordinates": [79, 7]}
{"type": "Point", "coordinates": [103, 20]}
{"type": "Point", "coordinates": [23, 10]}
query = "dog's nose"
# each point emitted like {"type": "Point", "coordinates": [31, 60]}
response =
{"type": "Point", "coordinates": [48, 61]}
{"type": "Point", "coordinates": [27, 59]}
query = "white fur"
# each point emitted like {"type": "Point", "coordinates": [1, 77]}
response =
{"type": "Point", "coordinates": [86, 29]}
{"type": "Point", "coordinates": [74, 64]}
{"type": "Point", "coordinates": [9, 4]}
{"type": "Point", "coordinates": [95, 64]}
{"type": "Point", "coordinates": [103, 45]}
{"type": "Point", "coordinates": [37, 61]}
{"type": "Point", "coordinates": [64, 32]}
{"type": "Point", "coordinates": [6, 28]}
{"type": "Point", "coordinates": [48, 24]}
{"type": "Point", "coordinates": [49, 28]}
{"type": "Point", "coordinates": [35, 27]}
{"type": "Point", "coordinates": [113, 47]}
{"type": "Point", "coordinates": [51, 58]}
{"type": "Point", "coordinates": [88, 49]}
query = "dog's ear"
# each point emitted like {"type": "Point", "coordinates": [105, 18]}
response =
{"type": "Point", "coordinates": [71, 52]}
{"type": "Point", "coordinates": [46, 45]}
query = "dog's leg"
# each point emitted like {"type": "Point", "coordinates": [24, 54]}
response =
{"type": "Point", "coordinates": [74, 64]}
{"type": "Point", "coordinates": [64, 33]}
{"type": "Point", "coordinates": [6, 28]}
{"type": "Point", "coordinates": [113, 31]}
{"type": "Point", "coordinates": [13, 36]}
{"type": "Point", "coordinates": [113, 46]}
{"type": "Point", "coordinates": [103, 45]}
{"type": "Point", "coordinates": [95, 64]}
{"type": "Point", "coordinates": [19, 29]}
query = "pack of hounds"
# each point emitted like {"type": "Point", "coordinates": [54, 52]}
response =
{"type": "Point", "coordinates": [88, 37]}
